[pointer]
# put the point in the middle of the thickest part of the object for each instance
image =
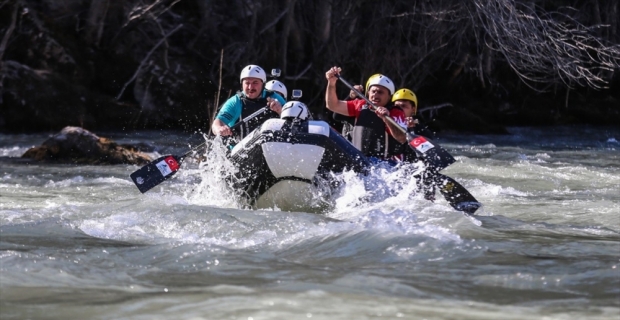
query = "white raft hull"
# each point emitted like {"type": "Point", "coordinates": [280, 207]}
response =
{"type": "Point", "coordinates": [286, 165]}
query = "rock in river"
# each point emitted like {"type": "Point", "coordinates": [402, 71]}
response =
{"type": "Point", "coordinates": [80, 146]}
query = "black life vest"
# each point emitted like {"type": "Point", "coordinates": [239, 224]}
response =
{"type": "Point", "coordinates": [248, 107]}
{"type": "Point", "coordinates": [369, 135]}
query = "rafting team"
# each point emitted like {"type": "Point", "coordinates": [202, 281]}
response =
{"type": "Point", "coordinates": [366, 126]}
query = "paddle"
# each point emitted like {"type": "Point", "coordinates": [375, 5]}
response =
{"type": "Point", "coordinates": [433, 154]}
{"type": "Point", "coordinates": [457, 196]}
{"type": "Point", "coordinates": [164, 167]}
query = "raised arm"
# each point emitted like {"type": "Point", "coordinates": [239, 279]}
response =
{"type": "Point", "coordinates": [331, 98]}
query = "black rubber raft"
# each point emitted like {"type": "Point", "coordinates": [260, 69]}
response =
{"type": "Point", "coordinates": [284, 162]}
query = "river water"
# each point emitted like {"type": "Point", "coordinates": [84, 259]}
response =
{"type": "Point", "coordinates": [82, 242]}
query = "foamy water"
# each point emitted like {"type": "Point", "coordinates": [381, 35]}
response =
{"type": "Point", "coordinates": [81, 241]}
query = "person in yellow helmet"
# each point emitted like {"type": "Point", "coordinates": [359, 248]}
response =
{"type": "Point", "coordinates": [407, 101]}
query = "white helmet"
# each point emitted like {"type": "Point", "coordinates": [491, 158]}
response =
{"type": "Point", "coordinates": [277, 86]}
{"type": "Point", "coordinates": [294, 109]}
{"type": "Point", "coordinates": [381, 80]}
{"type": "Point", "coordinates": [253, 71]}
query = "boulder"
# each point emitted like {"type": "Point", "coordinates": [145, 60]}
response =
{"type": "Point", "coordinates": [80, 146]}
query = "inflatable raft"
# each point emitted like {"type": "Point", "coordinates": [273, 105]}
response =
{"type": "Point", "coordinates": [289, 163]}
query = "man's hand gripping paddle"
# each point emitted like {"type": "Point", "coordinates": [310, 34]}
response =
{"type": "Point", "coordinates": [434, 155]}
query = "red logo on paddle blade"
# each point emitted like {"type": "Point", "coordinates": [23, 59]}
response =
{"type": "Point", "coordinates": [421, 144]}
{"type": "Point", "coordinates": [172, 163]}
{"type": "Point", "coordinates": [416, 142]}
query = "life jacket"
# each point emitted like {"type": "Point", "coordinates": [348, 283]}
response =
{"type": "Point", "coordinates": [369, 135]}
{"type": "Point", "coordinates": [248, 107]}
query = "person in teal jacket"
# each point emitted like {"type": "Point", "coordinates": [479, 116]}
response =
{"type": "Point", "coordinates": [252, 98]}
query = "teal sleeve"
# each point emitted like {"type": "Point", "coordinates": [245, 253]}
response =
{"type": "Point", "coordinates": [279, 98]}
{"type": "Point", "coordinates": [274, 95]}
{"type": "Point", "coordinates": [230, 111]}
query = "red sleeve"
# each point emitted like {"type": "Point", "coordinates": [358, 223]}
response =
{"type": "Point", "coordinates": [354, 107]}
{"type": "Point", "coordinates": [399, 116]}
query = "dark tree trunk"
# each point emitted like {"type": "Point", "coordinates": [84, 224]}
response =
{"type": "Point", "coordinates": [95, 21]}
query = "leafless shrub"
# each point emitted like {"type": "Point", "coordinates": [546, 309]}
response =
{"type": "Point", "coordinates": [546, 47]}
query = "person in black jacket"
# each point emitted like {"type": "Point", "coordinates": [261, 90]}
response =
{"type": "Point", "coordinates": [372, 134]}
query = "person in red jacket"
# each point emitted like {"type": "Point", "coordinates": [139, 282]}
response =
{"type": "Point", "coordinates": [372, 133]}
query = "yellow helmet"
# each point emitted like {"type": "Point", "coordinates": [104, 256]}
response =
{"type": "Point", "coordinates": [381, 80]}
{"type": "Point", "coordinates": [405, 94]}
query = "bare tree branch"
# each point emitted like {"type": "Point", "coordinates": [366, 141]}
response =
{"type": "Point", "coordinates": [274, 21]}
{"type": "Point", "coordinates": [9, 31]}
{"type": "Point", "coordinates": [301, 74]}
{"type": "Point", "coordinates": [432, 109]}
{"type": "Point", "coordinates": [143, 62]}
{"type": "Point", "coordinates": [546, 48]}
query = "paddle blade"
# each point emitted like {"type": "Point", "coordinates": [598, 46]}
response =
{"type": "Point", "coordinates": [155, 172]}
{"type": "Point", "coordinates": [433, 154]}
{"type": "Point", "coordinates": [457, 196]}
